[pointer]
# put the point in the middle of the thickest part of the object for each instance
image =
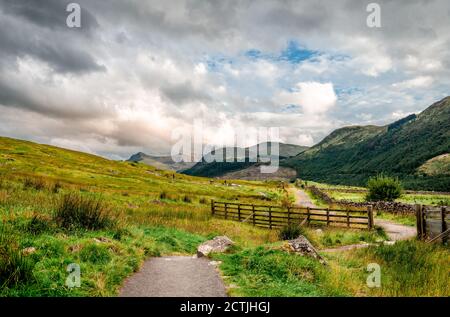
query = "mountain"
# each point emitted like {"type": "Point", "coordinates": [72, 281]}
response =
{"type": "Point", "coordinates": [160, 162]}
{"type": "Point", "coordinates": [351, 154]}
{"type": "Point", "coordinates": [216, 169]}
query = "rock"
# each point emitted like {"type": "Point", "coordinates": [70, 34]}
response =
{"type": "Point", "coordinates": [319, 231]}
{"type": "Point", "coordinates": [389, 242]}
{"type": "Point", "coordinates": [29, 250]}
{"type": "Point", "coordinates": [102, 240]}
{"type": "Point", "coordinates": [218, 244]}
{"type": "Point", "coordinates": [75, 248]}
{"type": "Point", "coordinates": [302, 246]}
{"type": "Point", "coordinates": [215, 263]}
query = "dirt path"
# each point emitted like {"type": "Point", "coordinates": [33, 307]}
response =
{"type": "Point", "coordinates": [302, 199]}
{"type": "Point", "coordinates": [394, 231]}
{"type": "Point", "coordinates": [175, 276]}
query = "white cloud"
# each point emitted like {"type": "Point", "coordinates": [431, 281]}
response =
{"type": "Point", "coordinates": [313, 97]}
{"type": "Point", "coordinates": [417, 82]}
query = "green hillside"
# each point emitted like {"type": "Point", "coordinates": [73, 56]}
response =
{"type": "Point", "coordinates": [439, 165]}
{"type": "Point", "coordinates": [216, 169]}
{"type": "Point", "coordinates": [350, 155]}
{"type": "Point", "coordinates": [161, 162]}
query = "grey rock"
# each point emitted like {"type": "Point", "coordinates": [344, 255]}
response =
{"type": "Point", "coordinates": [302, 246]}
{"type": "Point", "coordinates": [218, 244]}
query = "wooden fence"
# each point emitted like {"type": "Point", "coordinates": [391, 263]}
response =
{"type": "Point", "coordinates": [432, 223]}
{"type": "Point", "coordinates": [276, 217]}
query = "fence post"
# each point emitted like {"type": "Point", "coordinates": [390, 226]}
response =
{"type": "Point", "coordinates": [419, 221]}
{"type": "Point", "coordinates": [370, 216]}
{"type": "Point", "coordinates": [444, 224]}
{"type": "Point", "coordinates": [308, 218]}
{"type": "Point", "coordinates": [239, 212]}
{"type": "Point", "coordinates": [328, 216]}
{"type": "Point", "coordinates": [289, 216]}
{"type": "Point", "coordinates": [348, 218]}
{"type": "Point", "coordinates": [254, 216]}
{"type": "Point", "coordinates": [423, 220]}
{"type": "Point", "coordinates": [270, 217]}
{"type": "Point", "coordinates": [226, 211]}
{"type": "Point", "coordinates": [212, 207]}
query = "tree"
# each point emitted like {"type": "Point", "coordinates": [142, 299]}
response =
{"type": "Point", "coordinates": [382, 187]}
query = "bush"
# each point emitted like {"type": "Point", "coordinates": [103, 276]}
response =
{"type": "Point", "coordinates": [163, 195]}
{"type": "Point", "coordinates": [187, 199]}
{"type": "Point", "coordinates": [290, 232]}
{"type": "Point", "coordinates": [34, 183]}
{"type": "Point", "coordinates": [14, 267]}
{"type": "Point", "coordinates": [37, 225]}
{"type": "Point", "coordinates": [56, 187]}
{"type": "Point", "coordinates": [75, 211]}
{"type": "Point", "coordinates": [383, 188]}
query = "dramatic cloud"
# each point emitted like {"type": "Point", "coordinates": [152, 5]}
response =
{"type": "Point", "coordinates": [136, 70]}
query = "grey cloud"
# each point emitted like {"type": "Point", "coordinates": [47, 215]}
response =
{"type": "Point", "coordinates": [47, 37]}
{"type": "Point", "coordinates": [51, 15]}
{"type": "Point", "coordinates": [183, 93]}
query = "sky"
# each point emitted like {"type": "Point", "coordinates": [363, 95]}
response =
{"type": "Point", "coordinates": [137, 70]}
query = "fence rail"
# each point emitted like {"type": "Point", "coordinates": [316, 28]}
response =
{"type": "Point", "coordinates": [432, 223]}
{"type": "Point", "coordinates": [277, 216]}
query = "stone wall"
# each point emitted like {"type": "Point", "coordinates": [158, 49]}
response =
{"type": "Point", "coordinates": [394, 207]}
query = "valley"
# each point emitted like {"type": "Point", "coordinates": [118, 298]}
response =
{"type": "Point", "coordinates": [159, 213]}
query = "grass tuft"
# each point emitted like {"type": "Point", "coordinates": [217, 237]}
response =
{"type": "Point", "coordinates": [15, 269]}
{"type": "Point", "coordinates": [83, 212]}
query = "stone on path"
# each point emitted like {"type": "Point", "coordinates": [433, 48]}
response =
{"type": "Point", "coordinates": [218, 244]}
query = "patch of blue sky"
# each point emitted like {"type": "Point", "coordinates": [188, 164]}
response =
{"type": "Point", "coordinates": [293, 53]}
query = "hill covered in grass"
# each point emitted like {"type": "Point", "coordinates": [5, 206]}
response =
{"type": "Point", "coordinates": [351, 154]}
{"type": "Point", "coordinates": [161, 162]}
{"type": "Point", "coordinates": [231, 157]}
{"type": "Point", "coordinates": [439, 165]}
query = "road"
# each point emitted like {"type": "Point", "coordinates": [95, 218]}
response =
{"type": "Point", "coordinates": [175, 276]}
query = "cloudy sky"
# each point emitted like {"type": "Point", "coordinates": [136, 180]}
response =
{"type": "Point", "coordinates": [136, 70]}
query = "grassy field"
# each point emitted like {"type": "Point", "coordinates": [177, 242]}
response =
{"type": "Point", "coordinates": [59, 207]}
{"type": "Point", "coordinates": [338, 192]}
{"type": "Point", "coordinates": [408, 268]}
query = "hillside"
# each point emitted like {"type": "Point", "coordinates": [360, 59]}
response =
{"type": "Point", "coordinates": [216, 169]}
{"type": "Point", "coordinates": [160, 162]}
{"type": "Point", "coordinates": [439, 165]}
{"type": "Point", "coordinates": [351, 154]}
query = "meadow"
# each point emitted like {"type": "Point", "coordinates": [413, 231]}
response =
{"type": "Point", "coordinates": [59, 207]}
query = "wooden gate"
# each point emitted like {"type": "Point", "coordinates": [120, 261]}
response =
{"type": "Point", "coordinates": [276, 216]}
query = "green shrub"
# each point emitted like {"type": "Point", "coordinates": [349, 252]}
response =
{"type": "Point", "coordinates": [383, 188]}
{"type": "Point", "coordinates": [95, 254]}
{"type": "Point", "coordinates": [37, 225]}
{"type": "Point", "coordinates": [14, 267]}
{"type": "Point", "coordinates": [75, 211]}
{"type": "Point", "coordinates": [34, 183]}
{"type": "Point", "coordinates": [290, 232]}
{"type": "Point", "coordinates": [56, 187]}
{"type": "Point", "coordinates": [163, 195]}
{"type": "Point", "coordinates": [187, 199]}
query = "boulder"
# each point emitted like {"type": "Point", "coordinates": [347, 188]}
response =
{"type": "Point", "coordinates": [29, 250]}
{"type": "Point", "coordinates": [302, 246]}
{"type": "Point", "coordinates": [218, 244]}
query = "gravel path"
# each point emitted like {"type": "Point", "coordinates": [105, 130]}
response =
{"type": "Point", "coordinates": [175, 276]}
{"type": "Point", "coordinates": [394, 231]}
{"type": "Point", "coordinates": [302, 199]}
